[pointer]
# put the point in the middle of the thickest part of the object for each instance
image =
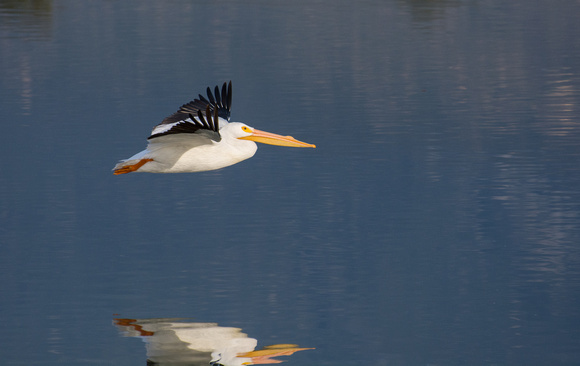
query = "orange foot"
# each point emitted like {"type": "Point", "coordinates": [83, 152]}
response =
{"type": "Point", "coordinates": [131, 168]}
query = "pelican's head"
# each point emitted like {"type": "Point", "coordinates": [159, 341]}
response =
{"type": "Point", "coordinates": [245, 132]}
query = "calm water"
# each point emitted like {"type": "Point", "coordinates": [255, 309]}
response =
{"type": "Point", "coordinates": [437, 222]}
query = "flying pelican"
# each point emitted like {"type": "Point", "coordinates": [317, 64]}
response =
{"type": "Point", "coordinates": [199, 137]}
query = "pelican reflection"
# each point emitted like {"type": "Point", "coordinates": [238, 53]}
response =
{"type": "Point", "coordinates": [179, 342]}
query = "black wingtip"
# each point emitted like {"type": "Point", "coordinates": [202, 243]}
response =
{"type": "Point", "coordinates": [209, 121]}
{"type": "Point", "coordinates": [202, 119]}
{"type": "Point", "coordinates": [227, 95]}
{"type": "Point", "coordinates": [222, 101]}
{"type": "Point", "coordinates": [217, 95]}
{"type": "Point", "coordinates": [210, 95]}
{"type": "Point", "coordinates": [216, 121]}
{"type": "Point", "coordinates": [230, 95]}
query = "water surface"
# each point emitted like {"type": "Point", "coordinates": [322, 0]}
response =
{"type": "Point", "coordinates": [437, 222]}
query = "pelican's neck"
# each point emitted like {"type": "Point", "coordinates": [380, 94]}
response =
{"type": "Point", "coordinates": [240, 149]}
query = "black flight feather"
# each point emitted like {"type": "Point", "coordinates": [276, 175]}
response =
{"type": "Point", "coordinates": [220, 105]}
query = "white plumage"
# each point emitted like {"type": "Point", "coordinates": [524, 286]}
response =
{"type": "Point", "coordinates": [199, 137]}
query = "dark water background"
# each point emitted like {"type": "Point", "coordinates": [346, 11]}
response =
{"type": "Point", "coordinates": [437, 222]}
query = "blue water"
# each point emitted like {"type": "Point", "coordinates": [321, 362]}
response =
{"type": "Point", "coordinates": [436, 223]}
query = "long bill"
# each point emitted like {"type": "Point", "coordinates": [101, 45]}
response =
{"type": "Point", "coordinates": [273, 139]}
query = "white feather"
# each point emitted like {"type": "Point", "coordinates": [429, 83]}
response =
{"type": "Point", "coordinates": [194, 153]}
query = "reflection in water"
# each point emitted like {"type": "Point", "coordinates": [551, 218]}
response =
{"type": "Point", "coordinates": [560, 102]}
{"type": "Point", "coordinates": [26, 19]}
{"type": "Point", "coordinates": [29, 21]}
{"type": "Point", "coordinates": [176, 341]}
{"type": "Point", "coordinates": [426, 11]}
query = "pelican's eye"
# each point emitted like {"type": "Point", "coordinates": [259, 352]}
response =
{"type": "Point", "coordinates": [246, 129]}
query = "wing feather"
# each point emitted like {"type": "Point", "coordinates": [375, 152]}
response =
{"type": "Point", "coordinates": [190, 117]}
{"type": "Point", "coordinates": [200, 125]}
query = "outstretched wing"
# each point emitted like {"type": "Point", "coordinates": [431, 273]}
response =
{"type": "Point", "coordinates": [189, 118]}
{"type": "Point", "coordinates": [199, 125]}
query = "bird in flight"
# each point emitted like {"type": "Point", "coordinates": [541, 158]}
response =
{"type": "Point", "coordinates": [199, 137]}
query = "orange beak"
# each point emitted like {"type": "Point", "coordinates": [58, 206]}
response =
{"type": "Point", "coordinates": [273, 139]}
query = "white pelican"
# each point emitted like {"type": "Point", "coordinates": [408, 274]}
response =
{"type": "Point", "coordinates": [199, 137]}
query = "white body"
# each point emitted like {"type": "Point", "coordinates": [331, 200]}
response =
{"type": "Point", "coordinates": [184, 153]}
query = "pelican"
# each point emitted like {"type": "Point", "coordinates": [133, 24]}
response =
{"type": "Point", "coordinates": [199, 137]}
